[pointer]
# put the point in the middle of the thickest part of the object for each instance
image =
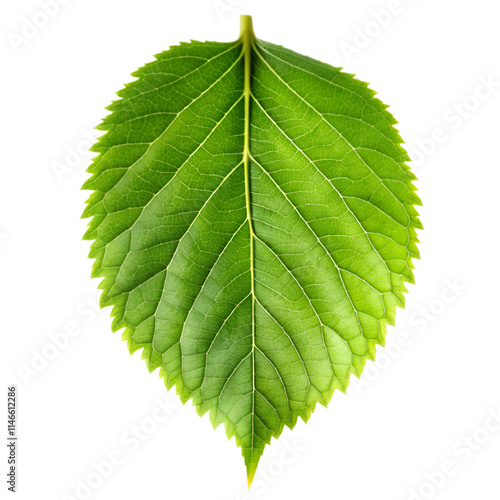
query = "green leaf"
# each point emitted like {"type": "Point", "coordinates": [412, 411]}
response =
{"type": "Point", "coordinates": [253, 219]}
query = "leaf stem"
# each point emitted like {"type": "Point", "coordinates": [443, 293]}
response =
{"type": "Point", "coordinates": [246, 28]}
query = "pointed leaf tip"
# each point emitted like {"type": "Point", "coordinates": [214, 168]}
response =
{"type": "Point", "coordinates": [251, 468]}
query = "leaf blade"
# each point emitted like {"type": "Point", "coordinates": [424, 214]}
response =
{"type": "Point", "coordinates": [254, 223]}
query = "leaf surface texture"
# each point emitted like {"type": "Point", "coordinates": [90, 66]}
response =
{"type": "Point", "coordinates": [253, 219]}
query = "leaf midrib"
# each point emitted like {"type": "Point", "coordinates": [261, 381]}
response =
{"type": "Point", "coordinates": [247, 36]}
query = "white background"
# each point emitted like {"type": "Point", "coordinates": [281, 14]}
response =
{"type": "Point", "coordinates": [414, 409]}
